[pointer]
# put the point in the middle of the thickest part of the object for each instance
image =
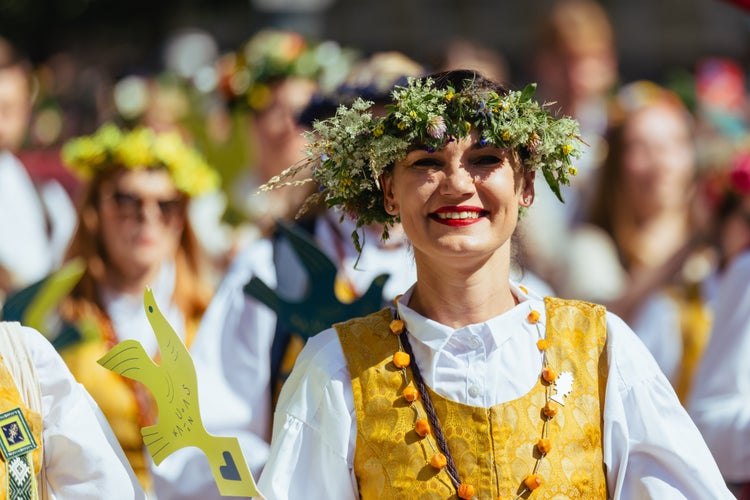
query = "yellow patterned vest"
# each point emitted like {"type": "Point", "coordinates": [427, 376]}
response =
{"type": "Point", "coordinates": [127, 404]}
{"type": "Point", "coordinates": [696, 319]}
{"type": "Point", "coordinates": [10, 398]}
{"type": "Point", "coordinates": [494, 448]}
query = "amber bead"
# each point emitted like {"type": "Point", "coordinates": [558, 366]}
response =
{"type": "Point", "coordinates": [438, 460]}
{"type": "Point", "coordinates": [533, 316]}
{"type": "Point", "coordinates": [549, 374]}
{"type": "Point", "coordinates": [422, 427]}
{"type": "Point", "coordinates": [542, 344]}
{"type": "Point", "coordinates": [401, 359]}
{"type": "Point", "coordinates": [396, 326]}
{"type": "Point", "coordinates": [550, 409]}
{"type": "Point", "coordinates": [466, 491]}
{"type": "Point", "coordinates": [544, 446]}
{"type": "Point", "coordinates": [533, 481]}
{"type": "Point", "coordinates": [411, 394]}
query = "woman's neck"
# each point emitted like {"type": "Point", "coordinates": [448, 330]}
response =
{"type": "Point", "coordinates": [462, 296]}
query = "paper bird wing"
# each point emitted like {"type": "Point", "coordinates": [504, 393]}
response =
{"type": "Point", "coordinates": [129, 359]}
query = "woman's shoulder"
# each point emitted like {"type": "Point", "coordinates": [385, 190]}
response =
{"type": "Point", "coordinates": [31, 339]}
{"type": "Point", "coordinates": [629, 358]}
{"type": "Point", "coordinates": [319, 374]}
{"type": "Point", "coordinates": [48, 366]}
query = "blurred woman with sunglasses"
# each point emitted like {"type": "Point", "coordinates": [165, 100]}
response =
{"type": "Point", "coordinates": [133, 233]}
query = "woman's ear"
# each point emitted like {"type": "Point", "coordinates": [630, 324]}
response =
{"type": "Point", "coordinates": [390, 205]}
{"type": "Point", "coordinates": [527, 189]}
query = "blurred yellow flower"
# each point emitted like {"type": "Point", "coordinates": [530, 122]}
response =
{"type": "Point", "coordinates": [109, 147]}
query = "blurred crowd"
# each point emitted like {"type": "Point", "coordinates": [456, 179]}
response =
{"type": "Point", "coordinates": [655, 225]}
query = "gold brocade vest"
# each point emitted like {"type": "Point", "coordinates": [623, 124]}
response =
{"type": "Point", "coordinates": [10, 398]}
{"type": "Point", "coordinates": [494, 448]}
{"type": "Point", "coordinates": [127, 404]}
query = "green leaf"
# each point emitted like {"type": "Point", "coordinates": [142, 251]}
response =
{"type": "Point", "coordinates": [553, 183]}
{"type": "Point", "coordinates": [528, 92]}
{"type": "Point", "coordinates": [357, 245]}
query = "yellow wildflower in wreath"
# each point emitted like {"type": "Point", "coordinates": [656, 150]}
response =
{"type": "Point", "coordinates": [110, 147]}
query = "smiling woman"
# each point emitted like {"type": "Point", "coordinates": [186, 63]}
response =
{"type": "Point", "coordinates": [471, 385]}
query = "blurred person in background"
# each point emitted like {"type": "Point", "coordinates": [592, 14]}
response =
{"type": "Point", "coordinates": [719, 400]}
{"type": "Point", "coordinates": [243, 350]}
{"type": "Point", "coordinates": [640, 250]}
{"type": "Point", "coordinates": [267, 83]}
{"type": "Point", "coordinates": [182, 95]}
{"type": "Point", "coordinates": [133, 233]}
{"type": "Point", "coordinates": [462, 53]}
{"type": "Point", "coordinates": [41, 218]}
{"type": "Point", "coordinates": [575, 64]}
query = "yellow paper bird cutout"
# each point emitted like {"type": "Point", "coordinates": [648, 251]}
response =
{"type": "Point", "coordinates": [174, 385]}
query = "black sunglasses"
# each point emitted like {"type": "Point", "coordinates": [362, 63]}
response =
{"type": "Point", "coordinates": [131, 205]}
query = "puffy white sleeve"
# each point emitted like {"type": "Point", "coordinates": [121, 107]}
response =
{"type": "Point", "coordinates": [231, 353]}
{"type": "Point", "coordinates": [720, 399]}
{"type": "Point", "coordinates": [313, 428]}
{"type": "Point", "coordinates": [82, 458]}
{"type": "Point", "coordinates": [652, 449]}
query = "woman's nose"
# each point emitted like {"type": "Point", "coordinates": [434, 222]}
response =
{"type": "Point", "coordinates": [457, 180]}
{"type": "Point", "coordinates": [150, 210]}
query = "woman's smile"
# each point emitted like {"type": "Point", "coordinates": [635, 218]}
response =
{"type": "Point", "coordinates": [458, 215]}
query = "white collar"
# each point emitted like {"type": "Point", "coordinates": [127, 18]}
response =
{"type": "Point", "coordinates": [493, 332]}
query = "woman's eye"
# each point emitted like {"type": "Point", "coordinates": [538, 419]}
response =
{"type": "Point", "coordinates": [488, 160]}
{"type": "Point", "coordinates": [426, 162]}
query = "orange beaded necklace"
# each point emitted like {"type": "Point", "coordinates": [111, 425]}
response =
{"type": "Point", "coordinates": [427, 425]}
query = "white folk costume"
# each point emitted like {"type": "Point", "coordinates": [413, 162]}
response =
{"type": "Point", "coordinates": [719, 403]}
{"type": "Point", "coordinates": [490, 371]}
{"type": "Point", "coordinates": [77, 455]}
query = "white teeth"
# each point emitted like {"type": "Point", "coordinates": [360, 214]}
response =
{"type": "Point", "coordinates": [458, 215]}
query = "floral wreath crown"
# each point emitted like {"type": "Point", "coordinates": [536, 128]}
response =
{"type": "Point", "coordinates": [140, 148]}
{"type": "Point", "coordinates": [349, 152]}
{"type": "Point", "coordinates": [275, 54]}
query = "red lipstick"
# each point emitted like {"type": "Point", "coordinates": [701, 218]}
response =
{"type": "Point", "coordinates": [458, 216]}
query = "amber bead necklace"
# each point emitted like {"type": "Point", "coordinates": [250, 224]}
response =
{"type": "Point", "coordinates": [427, 424]}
